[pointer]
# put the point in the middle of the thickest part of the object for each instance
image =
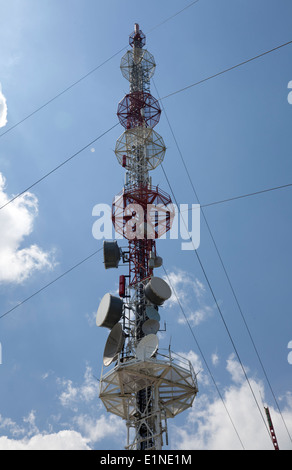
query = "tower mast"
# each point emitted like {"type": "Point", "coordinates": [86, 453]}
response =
{"type": "Point", "coordinates": [272, 430]}
{"type": "Point", "coordinates": [144, 387]}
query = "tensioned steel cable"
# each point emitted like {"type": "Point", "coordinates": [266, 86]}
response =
{"type": "Point", "coordinates": [91, 256]}
{"type": "Point", "coordinates": [115, 126]}
{"type": "Point", "coordinates": [216, 202]}
{"type": "Point", "coordinates": [242, 196]}
{"type": "Point", "coordinates": [164, 97]}
{"type": "Point", "coordinates": [255, 193]}
{"type": "Point", "coordinates": [62, 275]}
{"type": "Point", "coordinates": [58, 95]}
{"type": "Point", "coordinates": [58, 167]}
{"type": "Point", "coordinates": [204, 359]}
{"type": "Point", "coordinates": [222, 201]}
{"type": "Point", "coordinates": [217, 304]}
{"type": "Point", "coordinates": [50, 283]}
{"type": "Point", "coordinates": [223, 264]}
{"type": "Point", "coordinates": [197, 83]}
{"type": "Point", "coordinates": [226, 70]}
{"type": "Point", "coordinates": [220, 311]}
{"type": "Point", "coordinates": [173, 16]}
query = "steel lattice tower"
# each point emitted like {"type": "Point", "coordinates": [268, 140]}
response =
{"type": "Point", "coordinates": [142, 385]}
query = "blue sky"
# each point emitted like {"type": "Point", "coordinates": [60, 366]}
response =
{"type": "Point", "coordinates": [234, 135]}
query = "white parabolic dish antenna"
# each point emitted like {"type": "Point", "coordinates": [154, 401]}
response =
{"type": "Point", "coordinates": [109, 311]}
{"type": "Point", "coordinates": [111, 254]}
{"type": "Point", "coordinates": [152, 313]}
{"type": "Point", "coordinates": [113, 345]}
{"type": "Point", "coordinates": [147, 347]}
{"type": "Point", "coordinates": [150, 327]}
{"type": "Point", "coordinates": [157, 291]}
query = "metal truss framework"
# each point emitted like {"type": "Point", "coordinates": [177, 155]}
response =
{"type": "Point", "coordinates": [171, 384]}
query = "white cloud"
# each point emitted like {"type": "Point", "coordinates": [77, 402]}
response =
{"type": "Point", "coordinates": [197, 366]}
{"type": "Point", "coordinates": [215, 359]}
{"type": "Point", "coordinates": [235, 371]}
{"type": "Point", "coordinates": [91, 318]}
{"type": "Point", "coordinates": [72, 396]}
{"type": "Point", "coordinates": [63, 440]}
{"type": "Point", "coordinates": [193, 358]}
{"type": "Point", "coordinates": [90, 431]}
{"type": "Point", "coordinates": [208, 426]}
{"type": "Point", "coordinates": [105, 426]}
{"type": "Point", "coordinates": [188, 291]}
{"type": "Point", "coordinates": [205, 426]}
{"type": "Point", "coordinates": [16, 223]}
{"type": "Point", "coordinates": [92, 426]}
{"type": "Point", "coordinates": [197, 317]}
{"type": "Point", "coordinates": [28, 437]}
{"type": "Point", "coordinates": [184, 285]}
{"type": "Point", "coordinates": [69, 395]}
{"type": "Point", "coordinates": [80, 432]}
{"type": "Point", "coordinates": [30, 420]}
{"type": "Point", "coordinates": [3, 109]}
{"type": "Point", "coordinates": [10, 426]}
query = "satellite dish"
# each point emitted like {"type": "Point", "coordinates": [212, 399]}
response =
{"type": "Point", "coordinates": [155, 261]}
{"type": "Point", "coordinates": [152, 313]}
{"type": "Point", "coordinates": [109, 311]}
{"type": "Point", "coordinates": [147, 347]}
{"type": "Point", "coordinates": [111, 254]}
{"type": "Point", "coordinates": [157, 291]}
{"type": "Point", "coordinates": [150, 327]}
{"type": "Point", "coordinates": [114, 345]}
{"type": "Point", "coordinates": [158, 261]}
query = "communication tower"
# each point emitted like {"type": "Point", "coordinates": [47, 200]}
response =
{"type": "Point", "coordinates": [139, 382]}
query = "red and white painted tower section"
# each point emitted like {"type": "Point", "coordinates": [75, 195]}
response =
{"type": "Point", "coordinates": [139, 382]}
{"type": "Point", "coordinates": [272, 430]}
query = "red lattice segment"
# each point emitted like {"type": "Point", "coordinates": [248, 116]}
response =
{"type": "Point", "coordinates": [138, 109]}
{"type": "Point", "coordinates": [137, 38]}
{"type": "Point", "coordinates": [142, 213]}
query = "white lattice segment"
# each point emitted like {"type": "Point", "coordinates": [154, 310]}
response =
{"type": "Point", "coordinates": [140, 147]}
{"type": "Point", "coordinates": [139, 59]}
{"type": "Point", "coordinates": [176, 385]}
